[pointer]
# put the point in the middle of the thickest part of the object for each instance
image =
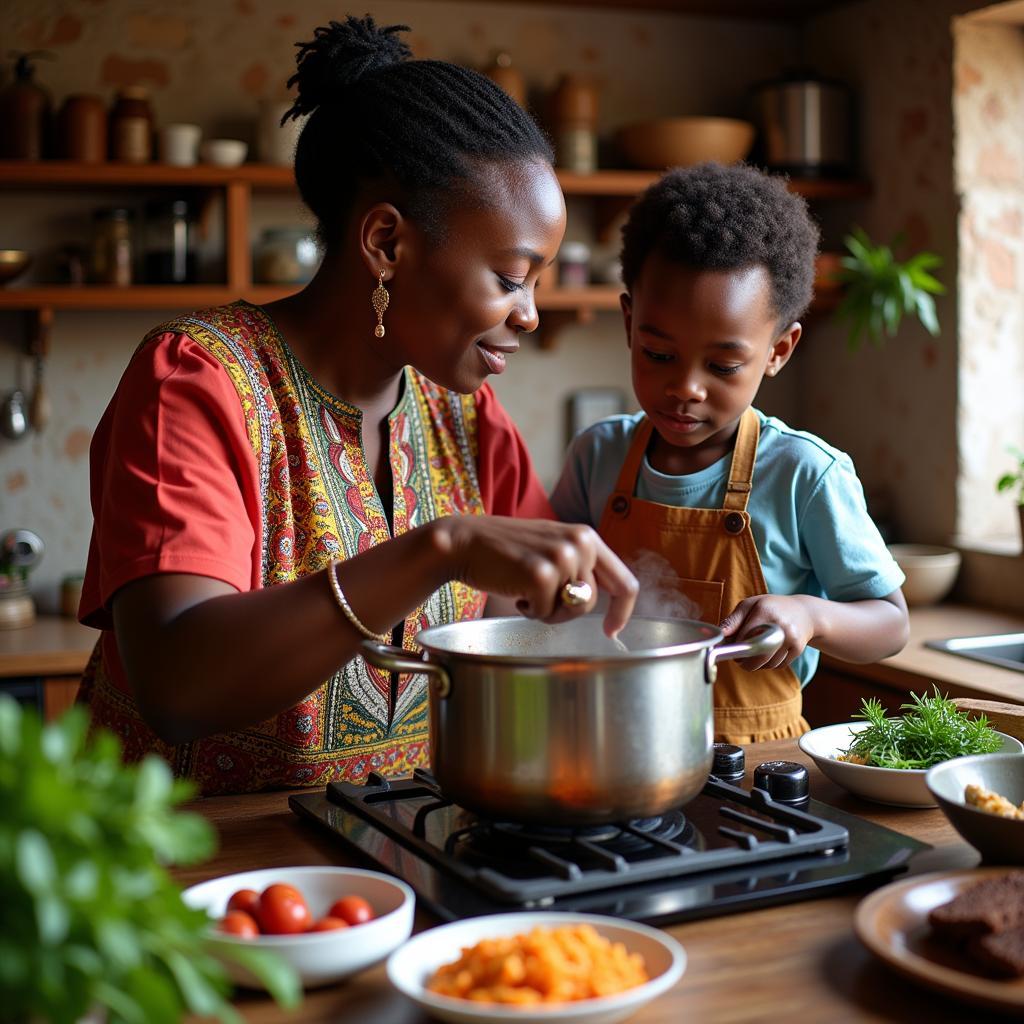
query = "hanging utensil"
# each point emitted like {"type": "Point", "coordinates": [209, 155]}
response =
{"type": "Point", "coordinates": [40, 409]}
{"type": "Point", "coordinates": [13, 420]}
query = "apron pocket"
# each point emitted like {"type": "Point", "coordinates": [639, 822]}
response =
{"type": "Point", "coordinates": [675, 597]}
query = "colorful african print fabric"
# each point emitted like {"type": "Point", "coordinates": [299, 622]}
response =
{"type": "Point", "coordinates": [319, 502]}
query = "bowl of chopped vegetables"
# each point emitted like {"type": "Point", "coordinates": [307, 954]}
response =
{"type": "Point", "coordinates": [983, 797]}
{"type": "Point", "coordinates": [537, 967]}
{"type": "Point", "coordinates": [885, 759]}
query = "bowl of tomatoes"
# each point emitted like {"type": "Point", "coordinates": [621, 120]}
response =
{"type": "Point", "coordinates": [326, 922]}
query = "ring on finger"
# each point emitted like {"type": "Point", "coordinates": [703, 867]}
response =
{"type": "Point", "coordinates": [576, 593]}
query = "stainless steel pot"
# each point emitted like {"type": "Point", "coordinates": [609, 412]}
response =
{"type": "Point", "coordinates": [806, 124]}
{"type": "Point", "coordinates": [560, 725]}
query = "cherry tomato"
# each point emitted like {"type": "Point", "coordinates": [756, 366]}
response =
{"type": "Point", "coordinates": [328, 924]}
{"type": "Point", "coordinates": [238, 922]}
{"type": "Point", "coordinates": [353, 909]}
{"type": "Point", "coordinates": [283, 911]}
{"type": "Point", "coordinates": [247, 900]}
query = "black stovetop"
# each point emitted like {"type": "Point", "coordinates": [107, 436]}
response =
{"type": "Point", "coordinates": [728, 849]}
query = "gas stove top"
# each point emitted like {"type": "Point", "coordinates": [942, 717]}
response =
{"type": "Point", "coordinates": [728, 849]}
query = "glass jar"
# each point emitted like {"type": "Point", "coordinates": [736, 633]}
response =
{"type": "Point", "coordinates": [574, 265]}
{"type": "Point", "coordinates": [168, 257]}
{"type": "Point", "coordinates": [286, 256]}
{"type": "Point", "coordinates": [112, 248]}
{"type": "Point", "coordinates": [574, 111]}
{"type": "Point", "coordinates": [131, 126]}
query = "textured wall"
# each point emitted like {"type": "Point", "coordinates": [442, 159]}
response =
{"type": "Point", "coordinates": [211, 63]}
{"type": "Point", "coordinates": [989, 105]}
{"type": "Point", "coordinates": [896, 410]}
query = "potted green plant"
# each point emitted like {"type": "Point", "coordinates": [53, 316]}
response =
{"type": "Point", "coordinates": [90, 920]}
{"type": "Point", "coordinates": [1015, 479]}
{"type": "Point", "coordinates": [879, 289]}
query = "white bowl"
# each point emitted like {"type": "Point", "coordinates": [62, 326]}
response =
{"type": "Point", "coordinates": [410, 968]}
{"type": "Point", "coordinates": [898, 787]}
{"type": "Point", "coordinates": [930, 571]}
{"type": "Point", "coordinates": [223, 152]}
{"type": "Point", "coordinates": [320, 958]}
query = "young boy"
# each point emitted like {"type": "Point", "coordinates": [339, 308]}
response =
{"type": "Point", "coordinates": [752, 521]}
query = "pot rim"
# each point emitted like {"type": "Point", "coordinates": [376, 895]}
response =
{"type": "Point", "coordinates": [712, 636]}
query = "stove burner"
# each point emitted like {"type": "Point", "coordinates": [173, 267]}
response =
{"type": "Point", "coordinates": [664, 826]}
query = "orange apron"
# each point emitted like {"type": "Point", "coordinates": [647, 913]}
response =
{"type": "Point", "coordinates": [715, 565]}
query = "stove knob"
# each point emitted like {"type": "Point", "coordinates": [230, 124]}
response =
{"type": "Point", "coordinates": [729, 764]}
{"type": "Point", "coordinates": [785, 781]}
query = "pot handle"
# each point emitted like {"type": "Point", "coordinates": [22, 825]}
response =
{"type": "Point", "coordinates": [395, 659]}
{"type": "Point", "coordinates": [766, 639]}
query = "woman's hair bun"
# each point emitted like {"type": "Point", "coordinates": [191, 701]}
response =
{"type": "Point", "coordinates": [339, 55]}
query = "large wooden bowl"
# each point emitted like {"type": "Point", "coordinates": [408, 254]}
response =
{"type": "Point", "coordinates": [685, 141]}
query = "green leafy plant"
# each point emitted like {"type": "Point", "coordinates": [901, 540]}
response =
{"type": "Point", "coordinates": [933, 729]}
{"type": "Point", "coordinates": [1015, 478]}
{"type": "Point", "coordinates": [879, 290]}
{"type": "Point", "coordinates": [89, 917]}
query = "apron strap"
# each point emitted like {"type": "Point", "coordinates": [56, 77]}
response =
{"type": "Point", "coordinates": [744, 454]}
{"type": "Point", "coordinates": [626, 483]}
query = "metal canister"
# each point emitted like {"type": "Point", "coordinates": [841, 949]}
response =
{"type": "Point", "coordinates": [805, 124]}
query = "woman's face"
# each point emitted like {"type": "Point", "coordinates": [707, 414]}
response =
{"type": "Point", "coordinates": [459, 303]}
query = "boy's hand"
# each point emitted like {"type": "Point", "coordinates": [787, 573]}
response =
{"type": "Point", "coordinates": [792, 613]}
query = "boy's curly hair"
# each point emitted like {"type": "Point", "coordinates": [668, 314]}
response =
{"type": "Point", "coordinates": [712, 217]}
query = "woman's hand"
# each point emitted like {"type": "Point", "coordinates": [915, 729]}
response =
{"type": "Point", "coordinates": [531, 560]}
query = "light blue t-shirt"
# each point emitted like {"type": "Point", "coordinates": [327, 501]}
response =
{"type": "Point", "coordinates": [807, 510]}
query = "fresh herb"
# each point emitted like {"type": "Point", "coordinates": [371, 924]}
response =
{"type": "Point", "coordinates": [89, 917]}
{"type": "Point", "coordinates": [933, 729]}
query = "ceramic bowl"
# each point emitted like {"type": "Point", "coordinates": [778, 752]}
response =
{"type": "Point", "coordinates": [410, 968]}
{"type": "Point", "coordinates": [898, 787]}
{"type": "Point", "coordinates": [12, 263]}
{"type": "Point", "coordinates": [998, 840]}
{"type": "Point", "coordinates": [320, 958]}
{"type": "Point", "coordinates": [223, 152]}
{"type": "Point", "coordinates": [930, 571]}
{"type": "Point", "coordinates": [684, 141]}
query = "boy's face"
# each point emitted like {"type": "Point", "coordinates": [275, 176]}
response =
{"type": "Point", "coordinates": [701, 341]}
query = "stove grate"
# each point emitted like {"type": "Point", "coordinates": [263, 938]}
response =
{"type": "Point", "coordinates": [758, 829]}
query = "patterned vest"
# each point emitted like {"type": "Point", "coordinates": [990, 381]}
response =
{"type": "Point", "coordinates": [319, 502]}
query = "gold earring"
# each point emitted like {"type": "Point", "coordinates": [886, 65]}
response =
{"type": "Point", "coordinates": [380, 299]}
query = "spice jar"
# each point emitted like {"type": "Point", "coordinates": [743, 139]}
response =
{"type": "Point", "coordinates": [286, 256]}
{"type": "Point", "coordinates": [574, 111]}
{"type": "Point", "coordinates": [168, 257]}
{"type": "Point", "coordinates": [24, 113]}
{"type": "Point", "coordinates": [507, 77]}
{"type": "Point", "coordinates": [82, 129]}
{"type": "Point", "coordinates": [574, 265]}
{"type": "Point", "coordinates": [112, 249]}
{"type": "Point", "coordinates": [131, 126]}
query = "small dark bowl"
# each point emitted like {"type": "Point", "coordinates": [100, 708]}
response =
{"type": "Point", "coordinates": [999, 840]}
{"type": "Point", "coordinates": [12, 263]}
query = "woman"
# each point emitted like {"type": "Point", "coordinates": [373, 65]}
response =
{"type": "Point", "coordinates": [272, 485]}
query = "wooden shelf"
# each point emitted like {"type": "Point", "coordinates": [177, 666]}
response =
{"type": "Point", "coordinates": [140, 296]}
{"type": "Point", "coordinates": [610, 191]}
{"type": "Point", "coordinates": [46, 174]}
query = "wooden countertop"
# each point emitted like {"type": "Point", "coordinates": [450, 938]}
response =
{"type": "Point", "coordinates": [799, 961]}
{"type": "Point", "coordinates": [52, 646]}
{"type": "Point", "coordinates": [963, 677]}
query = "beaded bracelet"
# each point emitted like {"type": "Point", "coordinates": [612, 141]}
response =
{"type": "Point", "coordinates": [342, 600]}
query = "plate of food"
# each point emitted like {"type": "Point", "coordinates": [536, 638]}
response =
{"type": "Point", "coordinates": [885, 759]}
{"type": "Point", "coordinates": [959, 932]}
{"type": "Point", "coordinates": [536, 968]}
